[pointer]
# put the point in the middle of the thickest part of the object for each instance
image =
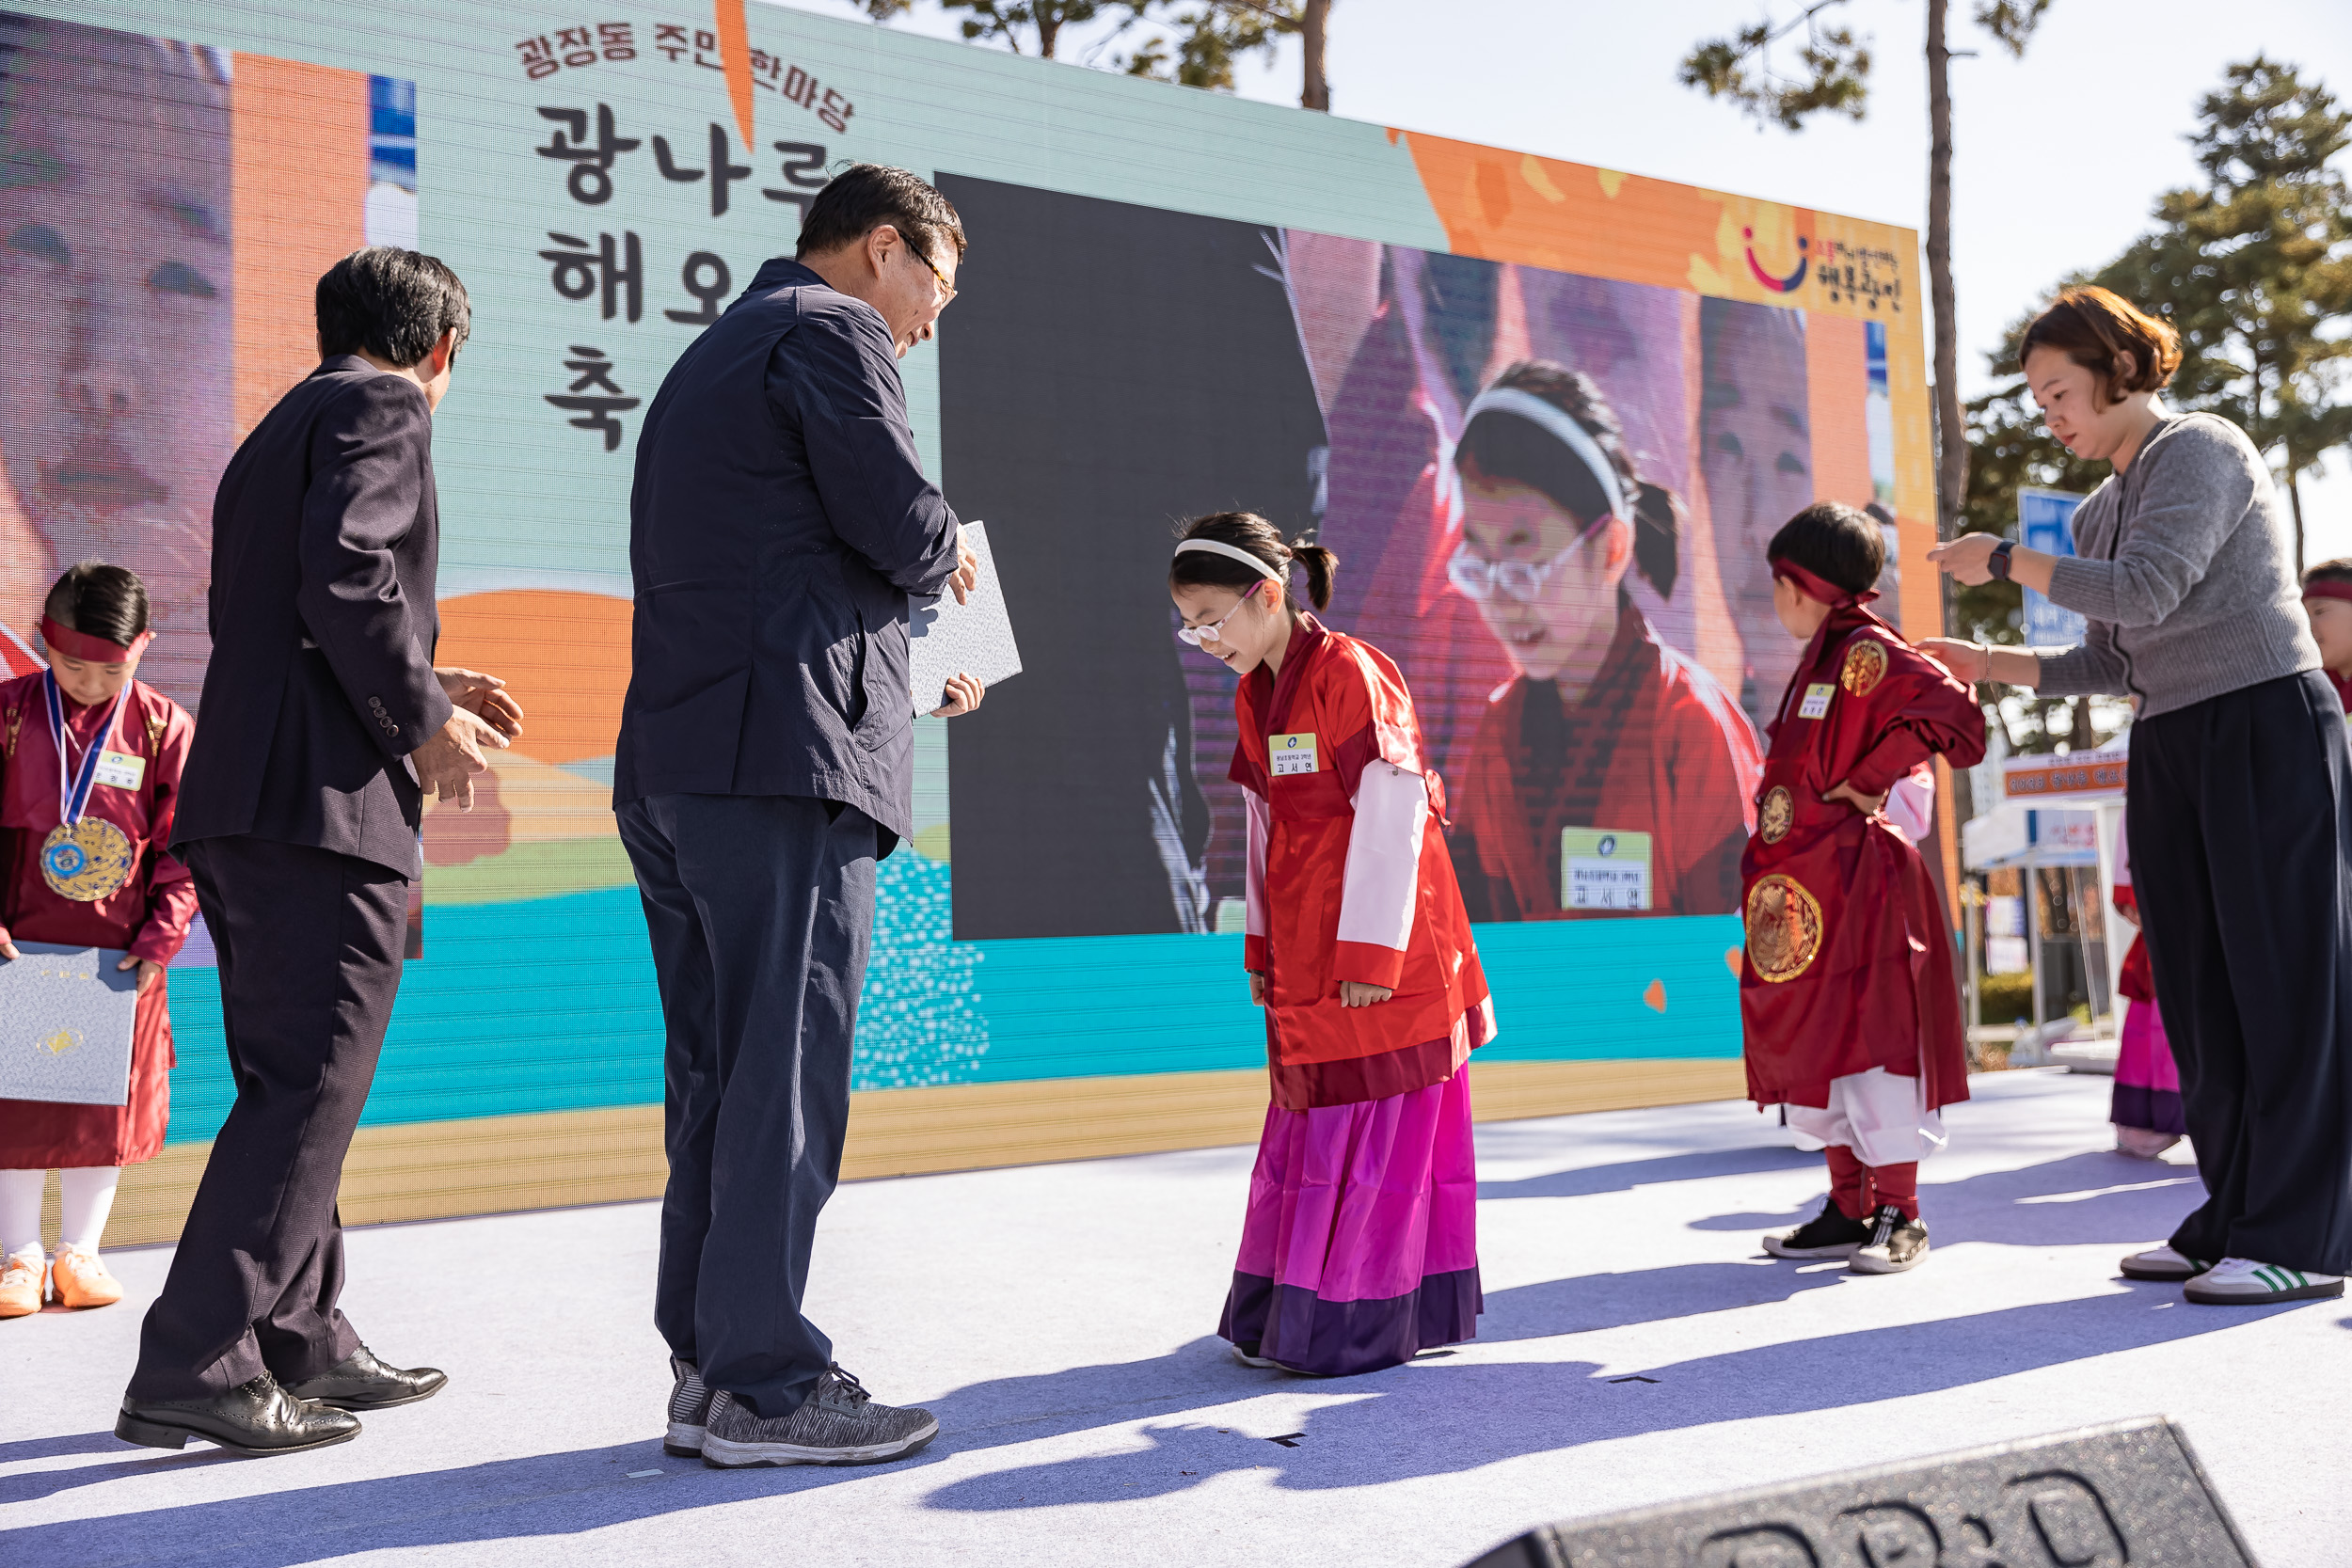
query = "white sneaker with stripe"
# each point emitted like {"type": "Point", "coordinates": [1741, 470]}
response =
{"type": "Point", "coordinates": [2243, 1282]}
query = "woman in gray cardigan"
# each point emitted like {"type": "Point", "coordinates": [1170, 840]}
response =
{"type": "Point", "coordinates": [2240, 790]}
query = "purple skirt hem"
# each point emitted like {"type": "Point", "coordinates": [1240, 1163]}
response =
{"type": "Point", "coordinates": [2157, 1110]}
{"type": "Point", "coordinates": [1292, 1325]}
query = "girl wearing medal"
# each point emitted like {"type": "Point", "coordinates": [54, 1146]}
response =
{"type": "Point", "coordinates": [1359, 1245]}
{"type": "Point", "coordinates": [89, 770]}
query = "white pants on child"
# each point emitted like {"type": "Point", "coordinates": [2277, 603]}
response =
{"type": "Point", "coordinates": [1882, 1116]}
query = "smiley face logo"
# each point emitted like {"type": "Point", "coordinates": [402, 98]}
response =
{"type": "Point", "coordinates": [1779, 285]}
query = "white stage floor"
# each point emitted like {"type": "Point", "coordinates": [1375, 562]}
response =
{"type": "Point", "coordinates": [1060, 1319]}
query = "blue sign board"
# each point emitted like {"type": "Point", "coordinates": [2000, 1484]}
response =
{"type": "Point", "coordinates": [2045, 522]}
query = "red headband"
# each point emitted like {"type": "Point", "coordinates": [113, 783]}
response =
{"type": "Point", "coordinates": [1818, 588]}
{"type": "Point", "coordinates": [2325, 589]}
{"type": "Point", "coordinates": [96, 650]}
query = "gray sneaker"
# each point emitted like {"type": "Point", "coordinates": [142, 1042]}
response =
{"type": "Point", "coordinates": [690, 1411]}
{"type": "Point", "coordinates": [840, 1424]}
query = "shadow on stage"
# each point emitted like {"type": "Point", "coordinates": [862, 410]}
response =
{"type": "Point", "coordinates": [1441, 1415]}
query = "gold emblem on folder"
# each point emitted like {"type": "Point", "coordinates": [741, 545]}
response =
{"type": "Point", "coordinates": [62, 1042]}
{"type": "Point", "coordinates": [1865, 666]}
{"type": "Point", "coordinates": [86, 861]}
{"type": "Point", "coordinates": [1783, 928]}
{"type": "Point", "coordinates": [1779, 811]}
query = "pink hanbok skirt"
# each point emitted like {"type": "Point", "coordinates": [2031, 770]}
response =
{"type": "Point", "coordinates": [2147, 1080]}
{"type": "Point", "coordinates": [1359, 1248]}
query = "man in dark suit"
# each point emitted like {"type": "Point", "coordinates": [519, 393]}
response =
{"type": "Point", "coordinates": [324, 723]}
{"type": "Point", "coordinates": [779, 522]}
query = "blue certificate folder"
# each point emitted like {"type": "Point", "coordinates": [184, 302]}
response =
{"type": "Point", "coordinates": [65, 1024]}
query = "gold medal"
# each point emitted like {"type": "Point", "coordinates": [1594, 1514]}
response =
{"type": "Point", "coordinates": [1865, 666]}
{"type": "Point", "coordinates": [87, 860]}
{"type": "Point", "coordinates": [1778, 812]}
{"type": "Point", "coordinates": [1783, 928]}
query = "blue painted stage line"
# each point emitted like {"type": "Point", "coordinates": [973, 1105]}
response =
{"type": "Point", "coordinates": [550, 1005]}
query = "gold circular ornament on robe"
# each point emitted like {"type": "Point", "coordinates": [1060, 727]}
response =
{"type": "Point", "coordinates": [1772, 822]}
{"type": "Point", "coordinates": [1783, 928]}
{"type": "Point", "coordinates": [1865, 666]}
{"type": "Point", "coordinates": [86, 861]}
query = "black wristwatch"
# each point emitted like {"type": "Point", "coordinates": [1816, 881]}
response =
{"type": "Point", "coordinates": [1998, 563]}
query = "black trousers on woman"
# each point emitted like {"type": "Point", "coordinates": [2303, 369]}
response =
{"type": "Point", "coordinates": [2240, 817]}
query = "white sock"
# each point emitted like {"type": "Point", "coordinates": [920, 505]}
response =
{"type": "Point", "coordinates": [20, 1211]}
{"type": "Point", "coordinates": [86, 1196]}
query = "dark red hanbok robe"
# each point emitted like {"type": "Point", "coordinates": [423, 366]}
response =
{"type": "Point", "coordinates": [1655, 747]}
{"type": "Point", "coordinates": [1849, 955]}
{"type": "Point", "coordinates": [148, 914]}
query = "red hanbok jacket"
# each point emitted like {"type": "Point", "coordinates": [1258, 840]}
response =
{"type": "Point", "coordinates": [1849, 955]}
{"type": "Point", "coordinates": [1655, 747]}
{"type": "Point", "coordinates": [148, 914]}
{"type": "Point", "coordinates": [1349, 881]}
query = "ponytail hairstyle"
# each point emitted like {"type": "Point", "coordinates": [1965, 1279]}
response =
{"type": "Point", "coordinates": [101, 601]}
{"type": "Point", "coordinates": [1246, 531]}
{"type": "Point", "coordinates": [1503, 447]}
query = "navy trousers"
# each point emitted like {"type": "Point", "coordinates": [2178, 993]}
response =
{"type": "Point", "coordinates": [309, 944]}
{"type": "Point", "coordinates": [761, 910]}
{"type": "Point", "coordinates": [2240, 816]}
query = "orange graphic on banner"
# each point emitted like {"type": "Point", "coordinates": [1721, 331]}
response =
{"type": "Point", "coordinates": [735, 52]}
{"type": "Point", "coordinates": [298, 189]}
{"type": "Point", "coordinates": [565, 655]}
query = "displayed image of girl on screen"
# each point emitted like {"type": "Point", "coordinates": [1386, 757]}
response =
{"type": "Point", "coordinates": [1612, 773]}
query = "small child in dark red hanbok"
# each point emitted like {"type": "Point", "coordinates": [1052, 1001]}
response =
{"type": "Point", "coordinates": [1847, 998]}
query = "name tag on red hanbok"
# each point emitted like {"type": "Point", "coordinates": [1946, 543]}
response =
{"type": "Point", "coordinates": [1603, 869]}
{"type": "Point", "coordinates": [1816, 704]}
{"type": "Point", "coordinates": [1290, 753]}
{"type": "Point", "coordinates": [120, 770]}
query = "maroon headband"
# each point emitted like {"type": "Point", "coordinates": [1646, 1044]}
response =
{"type": "Point", "coordinates": [2325, 589]}
{"type": "Point", "coordinates": [1813, 587]}
{"type": "Point", "coordinates": [95, 650]}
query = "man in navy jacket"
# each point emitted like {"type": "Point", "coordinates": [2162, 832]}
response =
{"type": "Point", "coordinates": [779, 522]}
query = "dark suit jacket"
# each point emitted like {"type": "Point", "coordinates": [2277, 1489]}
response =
{"type": "Point", "coordinates": [779, 521]}
{"type": "Point", "coordinates": [325, 539]}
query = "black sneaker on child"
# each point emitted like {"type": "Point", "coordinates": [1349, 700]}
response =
{"type": "Point", "coordinates": [1896, 1242]}
{"type": "Point", "coordinates": [1832, 1233]}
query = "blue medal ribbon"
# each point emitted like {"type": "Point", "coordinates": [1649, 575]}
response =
{"type": "Point", "coordinates": [74, 791]}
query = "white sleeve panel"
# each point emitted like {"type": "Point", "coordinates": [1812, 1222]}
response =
{"type": "Point", "coordinates": [1384, 857]}
{"type": "Point", "coordinates": [1254, 902]}
{"type": "Point", "coordinates": [1911, 804]}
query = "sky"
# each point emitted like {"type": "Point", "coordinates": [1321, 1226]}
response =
{"type": "Point", "coordinates": [2059, 157]}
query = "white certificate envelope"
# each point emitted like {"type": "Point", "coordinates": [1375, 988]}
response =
{"type": "Point", "coordinates": [65, 1024]}
{"type": "Point", "coordinates": [974, 637]}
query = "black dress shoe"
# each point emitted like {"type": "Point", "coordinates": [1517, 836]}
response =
{"type": "Point", "coordinates": [255, 1419]}
{"type": "Point", "coordinates": [361, 1382]}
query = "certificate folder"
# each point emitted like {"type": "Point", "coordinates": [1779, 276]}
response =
{"type": "Point", "coordinates": [65, 1024]}
{"type": "Point", "coordinates": [974, 637]}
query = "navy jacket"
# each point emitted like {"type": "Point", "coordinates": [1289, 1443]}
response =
{"type": "Point", "coordinates": [325, 542]}
{"type": "Point", "coordinates": [779, 522]}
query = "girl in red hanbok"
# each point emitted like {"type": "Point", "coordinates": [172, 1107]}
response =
{"type": "Point", "coordinates": [1847, 998]}
{"type": "Point", "coordinates": [89, 770]}
{"type": "Point", "coordinates": [1359, 1247]}
{"type": "Point", "coordinates": [1606, 732]}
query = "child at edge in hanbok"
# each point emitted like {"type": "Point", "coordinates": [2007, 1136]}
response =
{"type": "Point", "coordinates": [89, 775]}
{"type": "Point", "coordinates": [2145, 1105]}
{"type": "Point", "coordinates": [1359, 1247]}
{"type": "Point", "coordinates": [1847, 996]}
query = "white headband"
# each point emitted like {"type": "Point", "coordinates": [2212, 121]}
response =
{"type": "Point", "coordinates": [1549, 417]}
{"type": "Point", "coordinates": [1235, 551]}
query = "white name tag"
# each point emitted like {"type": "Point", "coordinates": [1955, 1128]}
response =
{"type": "Point", "coordinates": [1291, 753]}
{"type": "Point", "coordinates": [120, 770]}
{"type": "Point", "coordinates": [1816, 704]}
{"type": "Point", "coordinates": [1603, 869]}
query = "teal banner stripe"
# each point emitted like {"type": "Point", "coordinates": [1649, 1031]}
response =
{"type": "Point", "coordinates": [567, 1017]}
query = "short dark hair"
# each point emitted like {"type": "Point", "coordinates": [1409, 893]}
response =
{"type": "Point", "coordinates": [2091, 325]}
{"type": "Point", "coordinates": [863, 197]}
{"type": "Point", "coordinates": [394, 304]}
{"type": "Point", "coordinates": [2338, 570]}
{"type": "Point", "coordinates": [98, 600]}
{"type": "Point", "coordinates": [1247, 532]}
{"type": "Point", "coordinates": [1836, 542]}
